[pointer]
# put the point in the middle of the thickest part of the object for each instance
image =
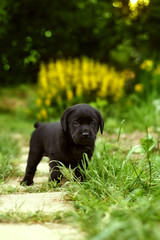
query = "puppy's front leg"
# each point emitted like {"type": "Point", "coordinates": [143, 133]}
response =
{"type": "Point", "coordinates": [33, 159]}
{"type": "Point", "coordinates": [55, 173]}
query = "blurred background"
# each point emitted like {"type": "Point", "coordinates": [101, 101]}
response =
{"type": "Point", "coordinates": [58, 53]}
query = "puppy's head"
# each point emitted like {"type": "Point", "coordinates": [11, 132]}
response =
{"type": "Point", "coordinates": [82, 122]}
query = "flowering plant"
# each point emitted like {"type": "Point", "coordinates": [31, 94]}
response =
{"type": "Point", "coordinates": [62, 83]}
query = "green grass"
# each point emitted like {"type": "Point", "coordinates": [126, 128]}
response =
{"type": "Point", "coordinates": [139, 114]}
{"type": "Point", "coordinates": [41, 187]}
{"type": "Point", "coordinates": [35, 217]}
{"type": "Point", "coordinates": [8, 154]}
{"type": "Point", "coordinates": [119, 199]}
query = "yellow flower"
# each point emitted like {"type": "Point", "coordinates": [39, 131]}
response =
{"type": "Point", "coordinates": [69, 95]}
{"type": "Point", "coordinates": [39, 102]}
{"type": "Point", "coordinates": [53, 91]}
{"type": "Point", "coordinates": [85, 81]}
{"type": "Point", "coordinates": [93, 82]}
{"type": "Point", "coordinates": [79, 89]}
{"type": "Point", "coordinates": [134, 6]}
{"type": "Point", "coordinates": [147, 65]}
{"type": "Point", "coordinates": [43, 113]}
{"type": "Point", "coordinates": [47, 102]}
{"type": "Point", "coordinates": [139, 87]}
{"type": "Point", "coordinates": [59, 80]}
{"type": "Point", "coordinates": [42, 78]}
{"type": "Point", "coordinates": [104, 87]}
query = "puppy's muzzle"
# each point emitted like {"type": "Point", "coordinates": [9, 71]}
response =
{"type": "Point", "coordinates": [84, 138]}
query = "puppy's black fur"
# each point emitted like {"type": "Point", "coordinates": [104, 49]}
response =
{"type": "Point", "coordinates": [64, 141]}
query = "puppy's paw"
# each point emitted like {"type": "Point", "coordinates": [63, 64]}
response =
{"type": "Point", "coordinates": [26, 182]}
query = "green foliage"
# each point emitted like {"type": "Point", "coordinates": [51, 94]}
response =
{"type": "Point", "coordinates": [36, 31]}
{"type": "Point", "coordinates": [118, 199]}
{"type": "Point", "coordinates": [8, 151]}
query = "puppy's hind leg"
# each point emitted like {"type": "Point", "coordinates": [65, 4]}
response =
{"type": "Point", "coordinates": [34, 158]}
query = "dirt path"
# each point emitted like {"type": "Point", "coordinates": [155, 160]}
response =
{"type": "Point", "coordinates": [46, 202]}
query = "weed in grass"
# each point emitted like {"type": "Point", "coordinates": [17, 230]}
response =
{"type": "Point", "coordinates": [146, 164]}
{"type": "Point", "coordinates": [43, 187]}
{"type": "Point", "coordinates": [35, 217]}
{"type": "Point", "coordinates": [120, 129]}
{"type": "Point", "coordinates": [149, 144]}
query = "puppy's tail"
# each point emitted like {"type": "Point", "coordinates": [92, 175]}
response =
{"type": "Point", "coordinates": [37, 124]}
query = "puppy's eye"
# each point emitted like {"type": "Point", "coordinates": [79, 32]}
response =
{"type": "Point", "coordinates": [76, 124]}
{"type": "Point", "coordinates": [92, 124]}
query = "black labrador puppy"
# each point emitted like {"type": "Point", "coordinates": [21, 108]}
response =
{"type": "Point", "coordinates": [64, 141]}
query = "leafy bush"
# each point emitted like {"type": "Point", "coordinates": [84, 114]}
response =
{"type": "Point", "coordinates": [66, 82]}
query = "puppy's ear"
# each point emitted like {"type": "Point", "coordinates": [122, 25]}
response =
{"type": "Point", "coordinates": [64, 119]}
{"type": "Point", "coordinates": [101, 122]}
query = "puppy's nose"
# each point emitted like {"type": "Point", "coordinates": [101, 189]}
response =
{"type": "Point", "coordinates": [85, 134]}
